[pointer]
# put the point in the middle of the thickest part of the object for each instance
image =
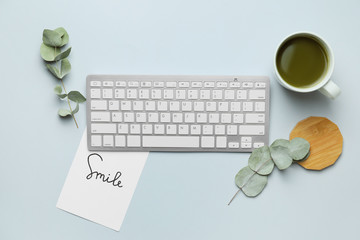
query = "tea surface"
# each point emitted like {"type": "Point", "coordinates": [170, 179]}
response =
{"type": "Point", "coordinates": [302, 62]}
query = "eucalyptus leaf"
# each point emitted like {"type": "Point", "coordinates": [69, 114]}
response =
{"type": "Point", "coordinates": [54, 71]}
{"type": "Point", "coordinates": [260, 161]}
{"type": "Point", "coordinates": [250, 182]}
{"type": "Point", "coordinates": [64, 35]}
{"type": "Point", "coordinates": [299, 148]}
{"type": "Point", "coordinates": [52, 38]}
{"type": "Point", "coordinates": [76, 108]}
{"type": "Point", "coordinates": [64, 112]}
{"type": "Point", "coordinates": [58, 89]}
{"type": "Point", "coordinates": [76, 97]}
{"type": "Point", "coordinates": [280, 153]}
{"type": "Point", "coordinates": [63, 55]}
{"type": "Point", "coordinates": [48, 53]}
{"type": "Point", "coordinates": [65, 67]}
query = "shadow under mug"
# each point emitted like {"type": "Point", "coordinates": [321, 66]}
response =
{"type": "Point", "coordinates": [324, 85]}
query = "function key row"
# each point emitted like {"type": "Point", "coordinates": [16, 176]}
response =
{"type": "Point", "coordinates": [182, 84]}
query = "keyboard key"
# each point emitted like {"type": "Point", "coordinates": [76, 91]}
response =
{"type": "Point", "coordinates": [208, 129]}
{"type": "Point", "coordinates": [116, 117]}
{"type": "Point", "coordinates": [241, 94]}
{"type": "Point", "coordinates": [108, 140]}
{"type": "Point", "coordinates": [140, 117]}
{"type": "Point", "coordinates": [133, 141]}
{"type": "Point", "coordinates": [209, 84]}
{"type": "Point", "coordinates": [195, 129]}
{"type": "Point", "coordinates": [196, 84]}
{"type": "Point", "coordinates": [96, 140]}
{"type": "Point", "coordinates": [126, 105]}
{"type": "Point", "coordinates": [133, 84]}
{"type": "Point", "coordinates": [171, 129]}
{"type": "Point", "coordinates": [100, 116]}
{"type": "Point", "coordinates": [247, 106]}
{"type": "Point", "coordinates": [229, 94]}
{"type": "Point", "coordinates": [159, 129]}
{"type": "Point", "coordinates": [131, 93]}
{"type": "Point", "coordinates": [219, 129]}
{"type": "Point", "coordinates": [138, 105]}
{"type": "Point", "coordinates": [120, 93]}
{"type": "Point", "coordinates": [199, 106]}
{"type": "Point", "coordinates": [247, 85]}
{"type": "Point", "coordinates": [120, 141]}
{"type": "Point", "coordinates": [95, 83]}
{"type": "Point", "coordinates": [231, 130]}
{"type": "Point", "coordinates": [235, 84]}
{"type": "Point", "coordinates": [259, 106]}
{"type": "Point", "coordinates": [98, 105]}
{"type": "Point", "coordinates": [221, 142]}
{"type": "Point", "coordinates": [193, 94]}
{"type": "Point", "coordinates": [145, 84]}
{"type": "Point", "coordinates": [171, 141]}
{"type": "Point", "coordinates": [150, 106]}
{"type": "Point", "coordinates": [147, 129]}
{"type": "Point", "coordinates": [254, 118]}
{"type": "Point", "coordinates": [159, 84]}
{"type": "Point", "coordinates": [207, 142]}
{"type": "Point", "coordinates": [246, 139]}
{"type": "Point", "coordinates": [103, 128]}
{"type": "Point", "coordinates": [168, 94]}
{"type": "Point", "coordinates": [258, 144]}
{"type": "Point", "coordinates": [165, 117]}
{"type": "Point", "coordinates": [174, 106]}
{"type": "Point", "coordinates": [177, 117]}
{"type": "Point", "coordinates": [113, 105]}
{"type": "Point", "coordinates": [238, 118]}
{"type": "Point", "coordinates": [186, 106]}
{"type": "Point", "coordinates": [123, 128]}
{"type": "Point", "coordinates": [221, 84]}
{"type": "Point", "coordinates": [135, 128]}
{"type": "Point", "coordinates": [95, 93]}
{"type": "Point", "coordinates": [184, 84]}
{"type": "Point", "coordinates": [108, 83]}
{"type": "Point", "coordinates": [144, 93]}
{"type": "Point", "coordinates": [225, 118]}
{"type": "Point", "coordinates": [257, 94]}
{"type": "Point", "coordinates": [153, 117]}
{"type": "Point", "coordinates": [217, 94]}
{"type": "Point", "coordinates": [260, 85]}
{"type": "Point", "coordinates": [245, 145]}
{"type": "Point", "coordinates": [171, 84]}
{"type": "Point", "coordinates": [107, 93]}
{"type": "Point", "coordinates": [214, 118]}
{"type": "Point", "coordinates": [120, 83]}
{"type": "Point", "coordinates": [129, 117]}
{"type": "Point", "coordinates": [234, 145]}
{"type": "Point", "coordinates": [189, 118]}
{"type": "Point", "coordinates": [252, 129]}
{"type": "Point", "coordinates": [156, 94]}
{"type": "Point", "coordinates": [183, 129]}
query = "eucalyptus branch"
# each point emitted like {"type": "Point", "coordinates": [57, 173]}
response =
{"type": "Point", "coordinates": [50, 51]}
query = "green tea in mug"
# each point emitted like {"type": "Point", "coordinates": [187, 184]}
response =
{"type": "Point", "coordinates": [302, 62]}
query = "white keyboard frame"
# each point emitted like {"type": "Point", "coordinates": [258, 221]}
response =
{"type": "Point", "coordinates": [184, 78]}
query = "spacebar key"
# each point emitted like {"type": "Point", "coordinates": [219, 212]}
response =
{"type": "Point", "coordinates": [171, 141]}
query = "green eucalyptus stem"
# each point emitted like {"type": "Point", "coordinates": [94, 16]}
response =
{"type": "Point", "coordinates": [234, 196]}
{"type": "Point", "coordinates": [62, 82]}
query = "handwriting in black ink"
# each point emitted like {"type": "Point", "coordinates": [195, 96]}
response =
{"type": "Point", "coordinates": [106, 178]}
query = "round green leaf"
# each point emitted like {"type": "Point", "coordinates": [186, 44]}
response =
{"type": "Point", "coordinates": [64, 35]}
{"type": "Point", "coordinates": [260, 161]}
{"type": "Point", "coordinates": [299, 148]}
{"type": "Point", "coordinates": [64, 112]}
{"type": "Point", "coordinates": [52, 38]}
{"type": "Point", "coordinates": [65, 67]}
{"type": "Point", "coordinates": [58, 89]}
{"type": "Point", "coordinates": [54, 71]}
{"type": "Point", "coordinates": [48, 53]}
{"type": "Point", "coordinates": [280, 153]}
{"type": "Point", "coordinates": [76, 97]}
{"type": "Point", "coordinates": [63, 55]}
{"type": "Point", "coordinates": [250, 182]}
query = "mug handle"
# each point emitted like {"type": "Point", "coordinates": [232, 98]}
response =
{"type": "Point", "coordinates": [330, 89]}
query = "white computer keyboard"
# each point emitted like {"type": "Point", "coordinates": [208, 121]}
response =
{"type": "Point", "coordinates": [177, 113]}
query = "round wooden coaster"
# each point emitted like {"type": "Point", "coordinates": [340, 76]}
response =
{"type": "Point", "coordinates": [325, 140]}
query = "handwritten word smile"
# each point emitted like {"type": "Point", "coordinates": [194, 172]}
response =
{"type": "Point", "coordinates": [106, 178]}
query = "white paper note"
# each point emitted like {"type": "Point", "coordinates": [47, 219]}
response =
{"type": "Point", "coordinates": [100, 185]}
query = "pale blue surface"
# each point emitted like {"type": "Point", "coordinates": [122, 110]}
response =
{"type": "Point", "coordinates": [179, 196]}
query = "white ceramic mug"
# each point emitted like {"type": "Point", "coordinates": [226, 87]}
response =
{"type": "Point", "coordinates": [324, 85]}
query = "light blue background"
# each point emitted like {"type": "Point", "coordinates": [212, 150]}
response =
{"type": "Point", "coordinates": [179, 195]}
